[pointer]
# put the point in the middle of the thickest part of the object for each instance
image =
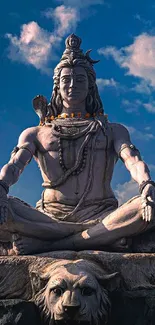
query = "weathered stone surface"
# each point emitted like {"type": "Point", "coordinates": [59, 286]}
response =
{"type": "Point", "coordinates": [130, 289]}
{"type": "Point", "coordinates": [18, 312]}
{"type": "Point", "coordinates": [133, 308]}
{"type": "Point", "coordinates": [136, 270]}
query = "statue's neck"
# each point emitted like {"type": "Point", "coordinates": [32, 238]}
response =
{"type": "Point", "coordinates": [68, 109]}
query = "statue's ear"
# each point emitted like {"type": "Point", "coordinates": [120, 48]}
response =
{"type": "Point", "coordinates": [111, 281]}
{"type": "Point", "coordinates": [38, 282]}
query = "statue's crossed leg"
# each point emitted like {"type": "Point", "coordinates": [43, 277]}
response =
{"type": "Point", "coordinates": [126, 221]}
{"type": "Point", "coordinates": [34, 232]}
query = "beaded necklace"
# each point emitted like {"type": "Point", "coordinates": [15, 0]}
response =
{"type": "Point", "coordinates": [92, 127]}
{"type": "Point", "coordinates": [72, 132]}
{"type": "Point", "coordinates": [61, 158]}
{"type": "Point", "coordinates": [78, 116]}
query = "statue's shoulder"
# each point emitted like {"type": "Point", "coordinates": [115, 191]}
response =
{"type": "Point", "coordinates": [119, 132]}
{"type": "Point", "coordinates": [117, 127]}
{"type": "Point", "coordinates": [29, 134]}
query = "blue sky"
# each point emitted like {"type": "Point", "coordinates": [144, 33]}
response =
{"type": "Point", "coordinates": [122, 36]}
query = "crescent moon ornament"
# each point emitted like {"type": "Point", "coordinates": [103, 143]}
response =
{"type": "Point", "coordinates": [89, 59]}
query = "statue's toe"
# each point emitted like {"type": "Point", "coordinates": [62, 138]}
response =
{"type": "Point", "coordinates": [7, 249]}
{"type": "Point", "coordinates": [121, 245]}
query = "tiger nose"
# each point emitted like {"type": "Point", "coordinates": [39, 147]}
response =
{"type": "Point", "coordinates": [71, 310]}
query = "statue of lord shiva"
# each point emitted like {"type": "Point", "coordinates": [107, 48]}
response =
{"type": "Point", "coordinates": [76, 148]}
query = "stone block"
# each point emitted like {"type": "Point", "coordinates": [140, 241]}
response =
{"type": "Point", "coordinates": [18, 312]}
{"type": "Point", "coordinates": [122, 288]}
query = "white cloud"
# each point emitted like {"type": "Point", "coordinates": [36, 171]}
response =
{"type": "Point", "coordinates": [137, 58]}
{"type": "Point", "coordinates": [32, 47]}
{"type": "Point", "coordinates": [65, 19]}
{"type": "Point", "coordinates": [126, 191]}
{"type": "Point", "coordinates": [138, 17]}
{"type": "Point", "coordinates": [140, 135]}
{"type": "Point", "coordinates": [142, 87]}
{"type": "Point", "coordinates": [143, 21]}
{"type": "Point", "coordinates": [148, 128]}
{"type": "Point", "coordinates": [102, 83]}
{"type": "Point", "coordinates": [36, 46]}
{"type": "Point", "coordinates": [131, 107]}
{"type": "Point", "coordinates": [150, 107]}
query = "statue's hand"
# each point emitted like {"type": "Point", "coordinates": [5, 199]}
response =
{"type": "Point", "coordinates": [148, 202]}
{"type": "Point", "coordinates": [3, 205]}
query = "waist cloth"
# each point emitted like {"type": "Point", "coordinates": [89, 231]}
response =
{"type": "Point", "coordinates": [88, 211]}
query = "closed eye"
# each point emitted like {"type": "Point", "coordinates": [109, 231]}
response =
{"type": "Point", "coordinates": [80, 79]}
{"type": "Point", "coordinates": [65, 79]}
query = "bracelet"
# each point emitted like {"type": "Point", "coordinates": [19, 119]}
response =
{"type": "Point", "coordinates": [5, 186]}
{"type": "Point", "coordinates": [144, 183]}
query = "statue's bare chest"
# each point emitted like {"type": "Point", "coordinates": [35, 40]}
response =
{"type": "Point", "coordinates": [48, 142]}
{"type": "Point", "coordinates": [72, 148]}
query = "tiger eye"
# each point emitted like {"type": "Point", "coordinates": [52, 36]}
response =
{"type": "Point", "coordinates": [58, 291]}
{"type": "Point", "coordinates": [87, 291]}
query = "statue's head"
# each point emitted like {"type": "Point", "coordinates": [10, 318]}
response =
{"type": "Point", "coordinates": [75, 80]}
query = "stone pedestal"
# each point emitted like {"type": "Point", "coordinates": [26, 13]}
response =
{"type": "Point", "coordinates": [130, 288]}
{"type": "Point", "coordinates": [16, 311]}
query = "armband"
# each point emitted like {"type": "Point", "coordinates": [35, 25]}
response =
{"type": "Point", "coordinates": [144, 183]}
{"type": "Point", "coordinates": [5, 186]}
{"type": "Point", "coordinates": [14, 151]}
{"type": "Point", "coordinates": [130, 146]}
{"type": "Point", "coordinates": [24, 146]}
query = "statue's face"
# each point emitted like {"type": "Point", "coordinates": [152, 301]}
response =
{"type": "Point", "coordinates": [73, 86]}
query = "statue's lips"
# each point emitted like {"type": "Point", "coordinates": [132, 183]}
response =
{"type": "Point", "coordinates": [73, 93]}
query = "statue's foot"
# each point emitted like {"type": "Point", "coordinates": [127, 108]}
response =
{"type": "Point", "coordinates": [8, 249]}
{"type": "Point", "coordinates": [27, 245]}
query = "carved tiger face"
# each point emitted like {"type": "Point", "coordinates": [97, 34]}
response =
{"type": "Point", "coordinates": [74, 294]}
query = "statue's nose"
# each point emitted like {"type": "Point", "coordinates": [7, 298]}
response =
{"type": "Point", "coordinates": [71, 310]}
{"type": "Point", "coordinates": [72, 83]}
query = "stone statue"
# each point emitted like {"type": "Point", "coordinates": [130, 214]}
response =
{"type": "Point", "coordinates": [76, 149]}
{"type": "Point", "coordinates": [74, 291]}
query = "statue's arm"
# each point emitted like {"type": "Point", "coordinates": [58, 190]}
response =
{"type": "Point", "coordinates": [137, 167]}
{"type": "Point", "coordinates": [129, 154]}
{"type": "Point", "coordinates": [20, 157]}
{"type": "Point", "coordinates": [10, 172]}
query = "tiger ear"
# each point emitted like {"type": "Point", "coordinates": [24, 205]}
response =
{"type": "Point", "coordinates": [39, 279]}
{"type": "Point", "coordinates": [37, 282]}
{"type": "Point", "coordinates": [111, 281]}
